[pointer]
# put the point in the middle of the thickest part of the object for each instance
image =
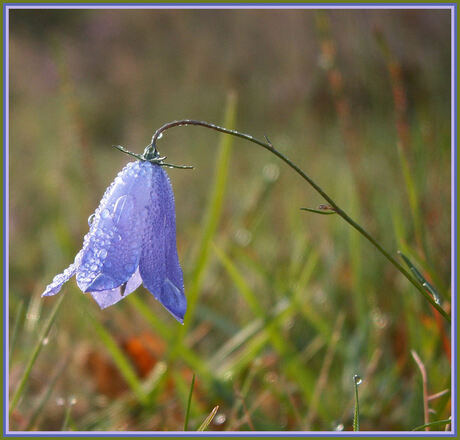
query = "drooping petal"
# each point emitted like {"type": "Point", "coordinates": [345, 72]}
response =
{"type": "Point", "coordinates": [112, 248]}
{"type": "Point", "coordinates": [106, 298]}
{"type": "Point", "coordinates": [159, 264]}
{"type": "Point", "coordinates": [173, 285]}
{"type": "Point", "coordinates": [58, 281]}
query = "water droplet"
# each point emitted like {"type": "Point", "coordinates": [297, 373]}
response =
{"type": "Point", "coordinates": [91, 219]}
{"type": "Point", "coordinates": [220, 419]}
{"type": "Point", "coordinates": [339, 427]}
{"type": "Point", "coordinates": [102, 253]}
{"type": "Point", "coordinates": [45, 341]}
{"type": "Point", "coordinates": [271, 172]}
{"type": "Point", "coordinates": [357, 379]}
{"type": "Point", "coordinates": [243, 237]}
{"type": "Point", "coordinates": [72, 400]}
{"type": "Point", "coordinates": [93, 267]}
{"type": "Point", "coordinates": [105, 213]}
{"type": "Point", "coordinates": [160, 136]}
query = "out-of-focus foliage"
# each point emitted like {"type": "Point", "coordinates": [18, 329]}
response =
{"type": "Point", "coordinates": [290, 305]}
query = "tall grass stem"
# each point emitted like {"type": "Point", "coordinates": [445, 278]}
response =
{"type": "Point", "coordinates": [356, 381]}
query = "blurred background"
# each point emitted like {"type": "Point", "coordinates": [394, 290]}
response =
{"type": "Point", "coordinates": [285, 306]}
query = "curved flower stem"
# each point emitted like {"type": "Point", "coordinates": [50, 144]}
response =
{"type": "Point", "coordinates": [268, 146]}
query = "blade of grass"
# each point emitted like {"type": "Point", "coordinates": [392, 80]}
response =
{"type": "Point", "coordinates": [46, 395]}
{"type": "Point", "coordinates": [324, 372]}
{"type": "Point", "coordinates": [66, 420]}
{"type": "Point", "coordinates": [153, 380]}
{"type": "Point", "coordinates": [189, 401]}
{"type": "Point", "coordinates": [17, 319]}
{"type": "Point", "coordinates": [208, 419]}
{"type": "Point", "coordinates": [403, 134]}
{"type": "Point", "coordinates": [432, 425]}
{"type": "Point", "coordinates": [421, 279]}
{"type": "Point", "coordinates": [213, 213]}
{"type": "Point", "coordinates": [421, 366]}
{"type": "Point", "coordinates": [356, 382]}
{"type": "Point", "coordinates": [412, 255]}
{"type": "Point", "coordinates": [318, 211]}
{"type": "Point", "coordinates": [34, 355]}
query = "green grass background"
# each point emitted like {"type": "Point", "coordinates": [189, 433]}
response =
{"type": "Point", "coordinates": [285, 306]}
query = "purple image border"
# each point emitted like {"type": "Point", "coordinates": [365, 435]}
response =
{"type": "Point", "coordinates": [352, 5]}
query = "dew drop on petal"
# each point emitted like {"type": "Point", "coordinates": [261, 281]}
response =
{"type": "Point", "coordinates": [94, 267]}
{"type": "Point", "coordinates": [91, 219]}
{"type": "Point", "coordinates": [105, 213]}
{"type": "Point", "coordinates": [102, 253]}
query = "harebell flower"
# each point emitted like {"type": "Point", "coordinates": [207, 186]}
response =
{"type": "Point", "coordinates": [131, 240]}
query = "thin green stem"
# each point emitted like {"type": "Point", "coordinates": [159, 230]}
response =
{"type": "Point", "coordinates": [189, 403]}
{"type": "Point", "coordinates": [269, 146]}
{"type": "Point", "coordinates": [357, 381]}
{"type": "Point", "coordinates": [15, 330]}
{"type": "Point", "coordinates": [66, 420]}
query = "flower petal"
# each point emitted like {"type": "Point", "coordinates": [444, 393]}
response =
{"type": "Point", "coordinates": [106, 298]}
{"type": "Point", "coordinates": [112, 248]}
{"type": "Point", "coordinates": [55, 286]}
{"type": "Point", "coordinates": [159, 264]}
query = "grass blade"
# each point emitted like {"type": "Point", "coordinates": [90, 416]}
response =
{"type": "Point", "coordinates": [46, 395]}
{"type": "Point", "coordinates": [65, 422]}
{"type": "Point", "coordinates": [421, 366]}
{"type": "Point", "coordinates": [213, 211]}
{"type": "Point", "coordinates": [357, 381]}
{"type": "Point", "coordinates": [35, 352]}
{"type": "Point", "coordinates": [208, 419]}
{"type": "Point", "coordinates": [421, 279]}
{"type": "Point", "coordinates": [15, 329]}
{"type": "Point", "coordinates": [319, 211]}
{"type": "Point", "coordinates": [432, 424]}
{"type": "Point", "coordinates": [189, 402]}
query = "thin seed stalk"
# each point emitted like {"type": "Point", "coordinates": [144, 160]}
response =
{"type": "Point", "coordinates": [268, 146]}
